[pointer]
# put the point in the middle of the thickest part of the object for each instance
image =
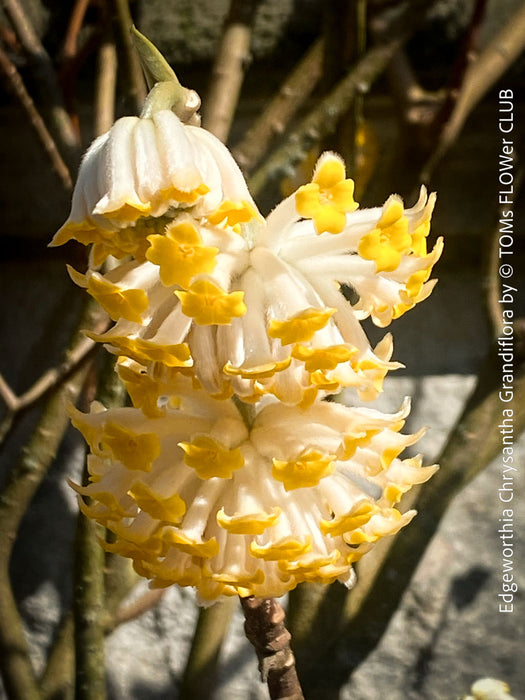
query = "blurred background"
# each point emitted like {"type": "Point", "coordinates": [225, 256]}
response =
{"type": "Point", "coordinates": [408, 93]}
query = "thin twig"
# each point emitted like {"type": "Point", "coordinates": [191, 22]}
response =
{"type": "Point", "coordinates": [44, 136]}
{"type": "Point", "coordinates": [69, 62]}
{"type": "Point", "coordinates": [292, 94]}
{"type": "Point", "coordinates": [131, 611]}
{"type": "Point", "coordinates": [58, 679]}
{"type": "Point", "coordinates": [228, 70]}
{"type": "Point", "coordinates": [265, 629]}
{"type": "Point", "coordinates": [50, 379]}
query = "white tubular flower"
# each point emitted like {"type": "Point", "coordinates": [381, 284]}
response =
{"type": "Point", "coordinates": [258, 307]}
{"type": "Point", "coordinates": [194, 497]}
{"type": "Point", "coordinates": [139, 175]}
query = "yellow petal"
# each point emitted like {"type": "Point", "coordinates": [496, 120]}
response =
{"type": "Point", "coordinates": [211, 459]}
{"type": "Point", "coordinates": [208, 304]}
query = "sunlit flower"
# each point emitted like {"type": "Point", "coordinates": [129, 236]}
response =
{"type": "Point", "coordinates": [195, 497]}
{"type": "Point", "coordinates": [262, 307]}
{"type": "Point", "coordinates": [135, 178]}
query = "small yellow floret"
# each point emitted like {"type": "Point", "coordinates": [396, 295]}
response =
{"type": "Point", "coordinates": [208, 304]}
{"type": "Point", "coordinates": [251, 524]}
{"type": "Point", "coordinates": [287, 548]}
{"type": "Point", "coordinates": [180, 254]}
{"type": "Point", "coordinates": [301, 327]}
{"type": "Point", "coordinates": [329, 197]}
{"type": "Point", "coordinates": [134, 450]}
{"type": "Point", "coordinates": [358, 516]}
{"type": "Point", "coordinates": [211, 459]}
{"type": "Point", "coordinates": [171, 509]}
{"type": "Point", "coordinates": [307, 470]}
{"type": "Point", "coordinates": [233, 213]}
{"type": "Point", "coordinates": [119, 303]}
{"type": "Point", "coordinates": [390, 239]}
{"type": "Point", "coordinates": [323, 358]}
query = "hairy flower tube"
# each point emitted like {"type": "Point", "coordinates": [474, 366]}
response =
{"type": "Point", "coordinates": [230, 473]}
{"type": "Point", "coordinates": [195, 497]}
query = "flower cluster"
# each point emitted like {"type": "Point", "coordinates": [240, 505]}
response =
{"type": "Point", "coordinates": [230, 473]}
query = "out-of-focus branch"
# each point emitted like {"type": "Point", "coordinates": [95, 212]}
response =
{"type": "Point", "coordinates": [88, 589]}
{"type": "Point", "coordinates": [137, 83]}
{"type": "Point", "coordinates": [131, 611]}
{"type": "Point", "coordinates": [90, 679]}
{"type": "Point", "coordinates": [70, 57]}
{"type": "Point", "coordinates": [58, 680]}
{"type": "Point", "coordinates": [292, 94]}
{"type": "Point", "coordinates": [44, 136]}
{"type": "Point", "coordinates": [323, 119]}
{"type": "Point", "coordinates": [491, 64]}
{"type": "Point", "coordinates": [265, 629]}
{"type": "Point", "coordinates": [51, 378]}
{"type": "Point", "coordinates": [228, 70]}
{"type": "Point", "coordinates": [50, 93]}
{"type": "Point", "coordinates": [106, 81]}
{"type": "Point", "coordinates": [25, 478]}
{"type": "Point", "coordinates": [200, 672]}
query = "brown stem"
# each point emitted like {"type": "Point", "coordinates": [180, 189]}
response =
{"type": "Point", "coordinates": [44, 136]}
{"type": "Point", "coordinates": [265, 629]}
{"type": "Point", "coordinates": [292, 94]}
{"type": "Point", "coordinates": [228, 70]}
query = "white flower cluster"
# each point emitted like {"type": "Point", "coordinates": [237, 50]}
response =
{"type": "Point", "coordinates": [230, 472]}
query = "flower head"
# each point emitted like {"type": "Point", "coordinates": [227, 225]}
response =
{"type": "Point", "coordinates": [195, 497]}
{"type": "Point", "coordinates": [216, 308]}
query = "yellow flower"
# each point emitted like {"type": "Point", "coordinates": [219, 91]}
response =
{"type": "Point", "coordinates": [329, 197]}
{"type": "Point", "coordinates": [208, 304]}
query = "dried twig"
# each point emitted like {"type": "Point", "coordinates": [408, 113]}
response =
{"type": "Point", "coordinates": [45, 138]}
{"type": "Point", "coordinates": [265, 629]}
{"type": "Point", "coordinates": [292, 94]}
{"type": "Point", "coordinates": [228, 70]}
